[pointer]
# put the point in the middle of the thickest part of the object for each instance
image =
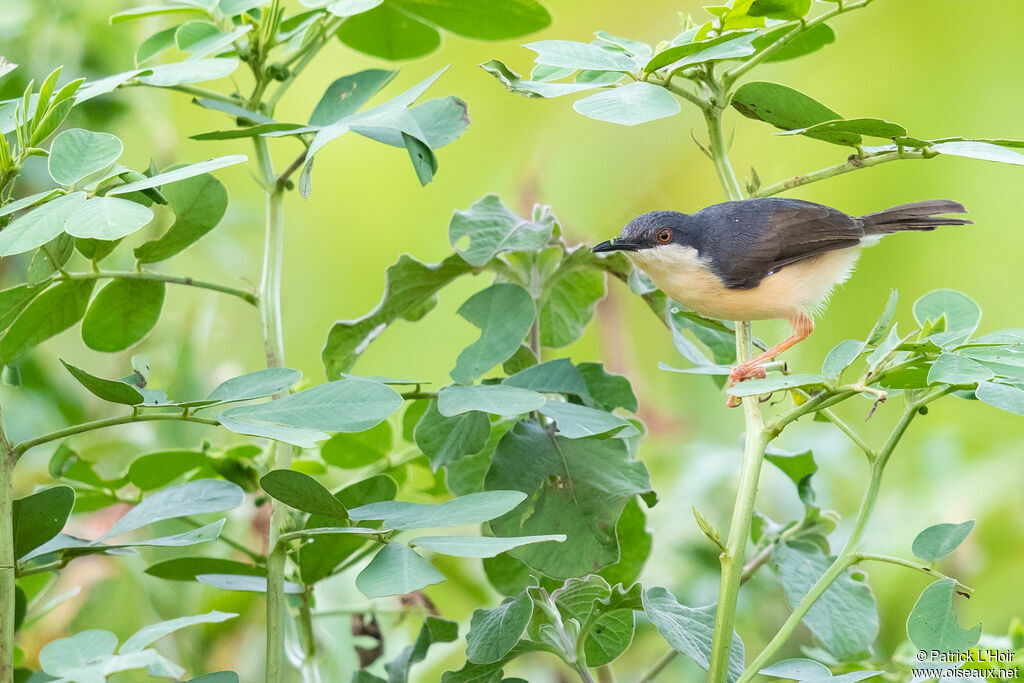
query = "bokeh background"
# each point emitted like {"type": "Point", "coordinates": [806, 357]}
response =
{"type": "Point", "coordinates": [939, 67]}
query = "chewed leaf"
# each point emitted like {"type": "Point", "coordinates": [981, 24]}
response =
{"type": "Point", "coordinates": [491, 228]}
{"type": "Point", "coordinates": [932, 623]}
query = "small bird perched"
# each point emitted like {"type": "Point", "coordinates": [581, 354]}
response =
{"type": "Point", "coordinates": [764, 258]}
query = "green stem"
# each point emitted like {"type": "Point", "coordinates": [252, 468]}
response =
{"type": "Point", "coordinates": [7, 560]}
{"type": "Point", "coordinates": [227, 540]}
{"type": "Point", "coordinates": [248, 297]}
{"type": "Point", "coordinates": [330, 27]}
{"type": "Point", "coordinates": [962, 589]}
{"type": "Point", "coordinates": [24, 446]}
{"type": "Point", "coordinates": [756, 440]}
{"type": "Point", "coordinates": [853, 163]}
{"type": "Point", "coordinates": [799, 27]}
{"type": "Point", "coordinates": [846, 557]}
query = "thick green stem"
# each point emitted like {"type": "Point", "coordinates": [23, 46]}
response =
{"type": "Point", "coordinates": [853, 163]}
{"type": "Point", "coordinates": [7, 463]}
{"type": "Point", "coordinates": [756, 439]}
{"type": "Point", "coordinates": [248, 297]}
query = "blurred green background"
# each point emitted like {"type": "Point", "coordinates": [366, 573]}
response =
{"type": "Point", "coordinates": [939, 67]}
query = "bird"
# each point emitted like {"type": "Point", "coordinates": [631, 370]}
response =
{"type": "Point", "coordinates": [763, 258]}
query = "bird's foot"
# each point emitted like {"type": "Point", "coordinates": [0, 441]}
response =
{"type": "Point", "coordinates": [741, 372]}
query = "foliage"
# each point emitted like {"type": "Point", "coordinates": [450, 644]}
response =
{"type": "Point", "coordinates": [537, 453]}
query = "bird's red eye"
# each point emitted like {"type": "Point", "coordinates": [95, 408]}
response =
{"type": "Point", "coordinates": [664, 236]}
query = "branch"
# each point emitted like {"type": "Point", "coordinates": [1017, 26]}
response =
{"type": "Point", "coordinates": [799, 26]}
{"type": "Point", "coordinates": [853, 163]}
{"type": "Point", "coordinates": [960, 588]}
{"type": "Point", "coordinates": [24, 446]}
{"type": "Point", "coordinates": [248, 297]}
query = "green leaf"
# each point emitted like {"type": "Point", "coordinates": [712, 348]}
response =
{"type": "Point", "coordinates": [538, 88]}
{"type": "Point", "coordinates": [577, 422]}
{"type": "Point", "coordinates": [262, 129]}
{"type": "Point", "coordinates": [608, 391]}
{"type": "Point", "coordinates": [553, 377]}
{"type": "Point", "coordinates": [396, 569]}
{"type": "Point", "coordinates": [979, 150]}
{"type": "Point", "coordinates": [494, 632]}
{"type": "Point", "coordinates": [798, 670]}
{"type": "Point", "coordinates": [572, 55]}
{"type": "Point", "coordinates": [567, 302]}
{"type": "Point", "coordinates": [446, 439]}
{"type": "Point", "coordinates": [841, 357]}
{"type": "Point", "coordinates": [496, 399]}
{"type": "Point", "coordinates": [216, 677]}
{"type": "Point", "coordinates": [76, 653]}
{"type": "Point", "coordinates": [148, 635]}
{"type": "Point", "coordinates": [755, 387]}
{"type": "Point", "coordinates": [940, 540]}
{"type": "Point", "coordinates": [780, 9]}
{"type": "Point", "coordinates": [1010, 399]}
{"type": "Point", "coordinates": [188, 71]}
{"type": "Point", "coordinates": [52, 312]}
{"type": "Point", "coordinates": [40, 516]}
{"type": "Point", "coordinates": [302, 492]}
{"type": "Point", "coordinates": [49, 259]}
{"type": "Point", "coordinates": [844, 619]}
{"type": "Point", "coordinates": [479, 546]}
{"type": "Point", "coordinates": [680, 56]}
{"type": "Point", "coordinates": [410, 286]}
{"type": "Point", "coordinates": [434, 630]}
{"type": "Point", "coordinates": [479, 673]}
{"type": "Point", "coordinates": [157, 469]}
{"type": "Point", "coordinates": [347, 94]}
{"type": "Point", "coordinates": [198, 203]}
{"type": "Point", "coordinates": [69, 547]}
{"type": "Point", "coordinates": [492, 229]}
{"type": "Point", "coordinates": [799, 467]}
{"type": "Point", "coordinates": [155, 45]}
{"type": "Point", "coordinates": [574, 486]}
{"type": "Point", "coordinates": [39, 226]}
{"type": "Point", "coordinates": [469, 509]}
{"type": "Point", "coordinates": [28, 202]}
{"type": "Point", "coordinates": [153, 11]}
{"type": "Point", "coordinates": [504, 313]}
{"type": "Point", "coordinates": [351, 451]}
{"type": "Point", "coordinates": [258, 384]}
{"type": "Point", "coordinates": [932, 623]}
{"type": "Point", "coordinates": [629, 105]}
{"type": "Point", "coordinates": [192, 498]}
{"type": "Point", "coordinates": [483, 21]}
{"type": "Point", "coordinates": [77, 153]}
{"type": "Point", "coordinates": [122, 314]}
{"type": "Point", "coordinates": [245, 584]}
{"type": "Point", "coordinates": [296, 436]}
{"type": "Point", "coordinates": [635, 542]}
{"type": "Point", "coordinates": [180, 173]}
{"type": "Point", "coordinates": [689, 630]}
{"type": "Point", "coordinates": [785, 108]}
{"type": "Point", "coordinates": [317, 560]}
{"type": "Point", "coordinates": [961, 311]}
{"type": "Point", "coordinates": [805, 43]}
{"type": "Point", "coordinates": [951, 368]}
{"type": "Point", "coordinates": [389, 33]}
{"type": "Point", "coordinates": [107, 389]}
{"type": "Point", "coordinates": [13, 301]}
{"type": "Point", "coordinates": [849, 131]}
{"type": "Point", "coordinates": [344, 405]}
{"type": "Point", "coordinates": [423, 160]}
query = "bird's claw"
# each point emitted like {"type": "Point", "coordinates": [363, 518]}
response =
{"type": "Point", "coordinates": [740, 373]}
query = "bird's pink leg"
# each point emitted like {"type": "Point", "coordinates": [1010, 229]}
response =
{"type": "Point", "coordinates": [802, 328]}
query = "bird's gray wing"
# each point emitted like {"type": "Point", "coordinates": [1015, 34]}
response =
{"type": "Point", "coordinates": [757, 237]}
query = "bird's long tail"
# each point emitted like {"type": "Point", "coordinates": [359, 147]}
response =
{"type": "Point", "coordinates": [915, 216]}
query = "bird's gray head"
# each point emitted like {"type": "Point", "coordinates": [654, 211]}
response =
{"type": "Point", "coordinates": [653, 230]}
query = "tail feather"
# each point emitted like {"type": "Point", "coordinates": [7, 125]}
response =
{"type": "Point", "coordinates": [915, 216]}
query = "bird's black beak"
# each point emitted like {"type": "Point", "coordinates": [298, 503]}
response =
{"type": "Point", "coordinates": [615, 245]}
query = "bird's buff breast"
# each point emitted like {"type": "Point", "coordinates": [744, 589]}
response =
{"type": "Point", "coordinates": [800, 288]}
